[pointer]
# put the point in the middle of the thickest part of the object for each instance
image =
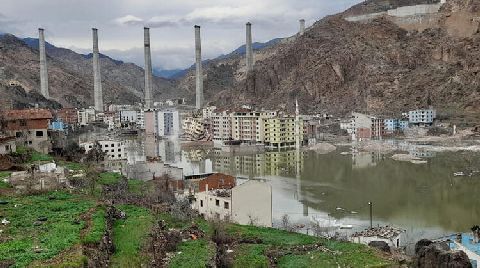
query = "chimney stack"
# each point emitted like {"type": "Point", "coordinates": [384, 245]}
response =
{"type": "Point", "coordinates": [43, 64]}
{"type": "Point", "coordinates": [148, 69]}
{"type": "Point", "coordinates": [249, 49]}
{"type": "Point", "coordinates": [97, 79]}
{"type": "Point", "coordinates": [302, 27]}
{"type": "Point", "coordinates": [199, 72]}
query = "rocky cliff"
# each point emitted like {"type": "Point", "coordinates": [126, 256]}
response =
{"type": "Point", "coordinates": [376, 66]}
{"type": "Point", "coordinates": [70, 77]}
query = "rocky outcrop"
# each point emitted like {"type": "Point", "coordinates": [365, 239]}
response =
{"type": "Point", "coordinates": [376, 67]}
{"type": "Point", "coordinates": [430, 254]}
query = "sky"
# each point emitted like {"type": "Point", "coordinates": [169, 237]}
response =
{"type": "Point", "coordinates": [120, 24]}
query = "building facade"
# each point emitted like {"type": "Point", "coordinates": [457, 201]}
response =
{"type": "Point", "coordinates": [114, 150]}
{"type": "Point", "coordinates": [279, 132]}
{"type": "Point", "coordinates": [422, 116]}
{"type": "Point", "coordinates": [222, 126]}
{"type": "Point", "coordinates": [30, 127]}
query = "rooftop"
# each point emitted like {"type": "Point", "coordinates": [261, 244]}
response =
{"type": "Point", "coordinates": [382, 232]}
{"type": "Point", "coordinates": [27, 114]}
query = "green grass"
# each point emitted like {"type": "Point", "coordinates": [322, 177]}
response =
{"type": "Point", "coordinates": [270, 236]}
{"type": "Point", "coordinates": [109, 178]}
{"type": "Point", "coordinates": [74, 166]}
{"type": "Point", "coordinates": [136, 186]}
{"type": "Point", "coordinates": [129, 236]}
{"type": "Point", "coordinates": [349, 255]}
{"type": "Point", "coordinates": [194, 254]}
{"type": "Point", "coordinates": [58, 233]}
{"type": "Point", "coordinates": [3, 175]}
{"type": "Point", "coordinates": [39, 157]}
{"type": "Point", "coordinates": [248, 255]}
{"type": "Point", "coordinates": [98, 228]}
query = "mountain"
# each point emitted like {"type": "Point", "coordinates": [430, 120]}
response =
{"type": "Point", "coordinates": [383, 64]}
{"type": "Point", "coordinates": [71, 75]}
{"type": "Point", "coordinates": [179, 73]}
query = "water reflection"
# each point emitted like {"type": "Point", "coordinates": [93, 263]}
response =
{"type": "Point", "coordinates": [426, 200]}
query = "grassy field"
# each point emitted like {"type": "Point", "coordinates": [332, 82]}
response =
{"type": "Point", "coordinates": [98, 227]}
{"type": "Point", "coordinates": [109, 178]}
{"type": "Point", "coordinates": [3, 175]}
{"type": "Point", "coordinates": [129, 235]}
{"type": "Point", "coordinates": [41, 226]}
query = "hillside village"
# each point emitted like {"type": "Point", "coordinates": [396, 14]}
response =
{"type": "Point", "coordinates": [128, 176]}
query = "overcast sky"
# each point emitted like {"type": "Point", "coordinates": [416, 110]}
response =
{"type": "Point", "coordinates": [68, 24]}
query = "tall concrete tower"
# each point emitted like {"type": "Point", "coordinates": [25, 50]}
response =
{"type": "Point", "coordinates": [97, 79]}
{"type": "Point", "coordinates": [148, 69]}
{"type": "Point", "coordinates": [43, 64]}
{"type": "Point", "coordinates": [199, 72]}
{"type": "Point", "coordinates": [249, 48]}
{"type": "Point", "coordinates": [302, 27]}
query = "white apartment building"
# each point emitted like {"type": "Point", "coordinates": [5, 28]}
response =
{"type": "Point", "coordinates": [114, 150]}
{"type": "Point", "coordinates": [222, 126]}
{"type": "Point", "coordinates": [207, 112]}
{"type": "Point", "coordinates": [167, 123]}
{"type": "Point", "coordinates": [86, 116]}
{"type": "Point", "coordinates": [422, 116]}
{"type": "Point", "coordinates": [136, 117]}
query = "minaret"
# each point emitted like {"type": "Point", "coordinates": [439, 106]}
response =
{"type": "Point", "coordinates": [97, 79]}
{"type": "Point", "coordinates": [302, 27]}
{"type": "Point", "coordinates": [199, 72]}
{"type": "Point", "coordinates": [249, 48]}
{"type": "Point", "coordinates": [43, 64]}
{"type": "Point", "coordinates": [148, 69]}
{"type": "Point", "coordinates": [297, 152]}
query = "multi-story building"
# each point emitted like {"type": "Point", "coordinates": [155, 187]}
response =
{"type": "Point", "coordinates": [246, 125]}
{"type": "Point", "coordinates": [68, 116]}
{"type": "Point", "coordinates": [207, 112]}
{"type": "Point", "coordinates": [195, 128]}
{"type": "Point", "coordinates": [422, 116]}
{"type": "Point", "coordinates": [279, 132]}
{"type": "Point", "coordinates": [391, 125]}
{"type": "Point", "coordinates": [86, 116]}
{"type": "Point", "coordinates": [221, 126]}
{"type": "Point", "coordinates": [30, 127]}
{"type": "Point", "coordinates": [365, 127]}
{"type": "Point", "coordinates": [168, 123]}
{"type": "Point", "coordinates": [114, 150]}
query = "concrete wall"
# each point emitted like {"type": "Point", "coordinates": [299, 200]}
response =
{"type": "Point", "coordinates": [252, 203]}
{"type": "Point", "coordinates": [213, 207]}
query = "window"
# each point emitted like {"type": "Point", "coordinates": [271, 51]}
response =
{"type": "Point", "coordinates": [201, 203]}
{"type": "Point", "coordinates": [39, 133]}
{"type": "Point", "coordinates": [217, 202]}
{"type": "Point", "coordinates": [112, 151]}
{"type": "Point", "coordinates": [119, 150]}
{"type": "Point", "coordinates": [23, 123]}
{"type": "Point", "coordinates": [226, 205]}
{"type": "Point", "coordinates": [119, 155]}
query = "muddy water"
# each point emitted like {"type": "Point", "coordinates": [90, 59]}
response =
{"type": "Point", "coordinates": [426, 200]}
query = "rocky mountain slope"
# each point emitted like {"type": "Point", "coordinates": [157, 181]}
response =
{"type": "Point", "coordinates": [71, 76]}
{"type": "Point", "coordinates": [376, 66]}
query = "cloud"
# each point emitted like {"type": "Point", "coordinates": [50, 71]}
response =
{"type": "Point", "coordinates": [129, 20]}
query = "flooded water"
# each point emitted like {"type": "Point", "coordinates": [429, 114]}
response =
{"type": "Point", "coordinates": [426, 200]}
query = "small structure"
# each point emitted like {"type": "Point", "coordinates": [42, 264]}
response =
{"type": "Point", "coordinates": [7, 145]}
{"type": "Point", "coordinates": [391, 235]}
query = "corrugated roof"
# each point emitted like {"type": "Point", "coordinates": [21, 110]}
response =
{"type": "Point", "coordinates": [27, 114]}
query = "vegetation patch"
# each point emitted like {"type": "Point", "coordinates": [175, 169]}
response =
{"type": "Point", "coordinates": [193, 254]}
{"type": "Point", "coordinates": [74, 166]}
{"type": "Point", "coordinates": [41, 226]}
{"type": "Point", "coordinates": [250, 255]}
{"type": "Point", "coordinates": [39, 157]}
{"type": "Point", "coordinates": [136, 186]}
{"type": "Point", "coordinates": [98, 228]}
{"type": "Point", "coordinates": [269, 236]}
{"type": "Point", "coordinates": [109, 178]}
{"type": "Point", "coordinates": [129, 236]}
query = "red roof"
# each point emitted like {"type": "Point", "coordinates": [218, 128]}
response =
{"type": "Point", "coordinates": [27, 114]}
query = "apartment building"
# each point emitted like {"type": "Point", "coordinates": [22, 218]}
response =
{"type": "Point", "coordinates": [114, 150]}
{"type": "Point", "coordinates": [222, 126]}
{"type": "Point", "coordinates": [422, 117]}
{"type": "Point", "coordinates": [279, 132]}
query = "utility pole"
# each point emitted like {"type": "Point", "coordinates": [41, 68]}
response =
{"type": "Point", "coordinates": [371, 218]}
